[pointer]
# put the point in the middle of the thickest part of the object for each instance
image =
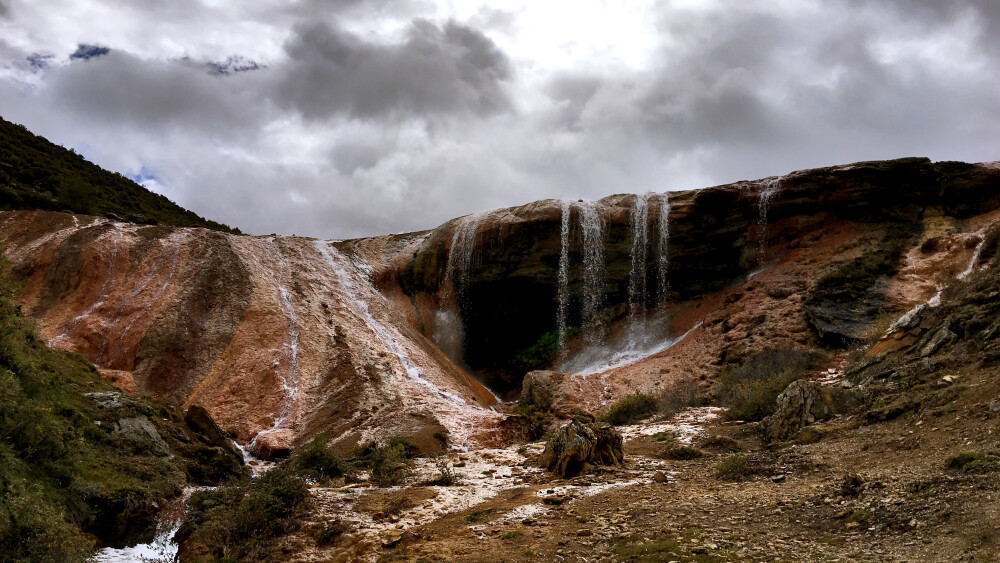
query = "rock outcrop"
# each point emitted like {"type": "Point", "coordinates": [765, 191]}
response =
{"type": "Point", "coordinates": [578, 447]}
{"type": "Point", "coordinates": [804, 403]}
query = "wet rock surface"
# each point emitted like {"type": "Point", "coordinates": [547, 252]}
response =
{"type": "Point", "coordinates": [804, 403]}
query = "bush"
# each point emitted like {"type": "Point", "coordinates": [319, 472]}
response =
{"type": "Point", "coordinates": [751, 390]}
{"type": "Point", "coordinates": [683, 394]}
{"type": "Point", "coordinates": [315, 461]}
{"type": "Point", "coordinates": [734, 468]}
{"type": "Point", "coordinates": [241, 521]}
{"type": "Point", "coordinates": [630, 409]}
{"type": "Point", "coordinates": [681, 452]}
{"type": "Point", "coordinates": [389, 463]}
{"type": "Point", "coordinates": [974, 462]}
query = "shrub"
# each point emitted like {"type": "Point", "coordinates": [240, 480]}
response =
{"type": "Point", "coordinates": [630, 409]}
{"type": "Point", "coordinates": [315, 461]}
{"type": "Point", "coordinates": [734, 468]}
{"type": "Point", "coordinates": [243, 520]}
{"type": "Point", "coordinates": [330, 532]}
{"type": "Point", "coordinates": [683, 394]}
{"type": "Point", "coordinates": [681, 452]}
{"type": "Point", "coordinates": [974, 462]}
{"type": "Point", "coordinates": [751, 390]}
{"type": "Point", "coordinates": [389, 463]}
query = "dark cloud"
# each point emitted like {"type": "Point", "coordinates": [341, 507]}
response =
{"type": "Point", "coordinates": [85, 51]}
{"type": "Point", "coordinates": [449, 69]}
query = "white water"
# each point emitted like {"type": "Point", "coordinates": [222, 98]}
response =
{"type": "Point", "coordinates": [769, 189]}
{"type": "Point", "coordinates": [639, 340]}
{"type": "Point", "coordinates": [640, 239]}
{"type": "Point", "coordinates": [462, 256]}
{"type": "Point", "coordinates": [592, 225]}
{"type": "Point", "coordinates": [662, 250]}
{"type": "Point", "coordinates": [563, 288]}
{"type": "Point", "coordinates": [975, 259]}
{"type": "Point", "coordinates": [335, 260]}
{"type": "Point", "coordinates": [290, 379]}
{"type": "Point", "coordinates": [161, 549]}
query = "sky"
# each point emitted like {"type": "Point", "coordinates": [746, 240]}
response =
{"type": "Point", "coordinates": [345, 118]}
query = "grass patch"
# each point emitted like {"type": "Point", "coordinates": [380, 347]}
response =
{"type": "Point", "coordinates": [751, 390]}
{"type": "Point", "coordinates": [681, 452]}
{"type": "Point", "coordinates": [513, 534]}
{"type": "Point", "coordinates": [736, 467]}
{"type": "Point", "coordinates": [315, 461]}
{"type": "Point", "coordinates": [389, 462]}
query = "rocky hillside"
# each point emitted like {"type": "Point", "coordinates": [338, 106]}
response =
{"type": "Point", "coordinates": [284, 337]}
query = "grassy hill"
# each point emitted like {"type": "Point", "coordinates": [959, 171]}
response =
{"type": "Point", "coordinates": [37, 174]}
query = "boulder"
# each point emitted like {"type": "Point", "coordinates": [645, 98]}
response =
{"type": "Point", "coordinates": [198, 419]}
{"type": "Point", "coordinates": [139, 430]}
{"type": "Point", "coordinates": [539, 388]}
{"type": "Point", "coordinates": [806, 402]}
{"type": "Point", "coordinates": [577, 447]}
{"type": "Point", "coordinates": [106, 400]}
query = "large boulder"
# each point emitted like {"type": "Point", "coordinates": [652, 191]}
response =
{"type": "Point", "coordinates": [141, 432]}
{"type": "Point", "coordinates": [807, 402]}
{"type": "Point", "coordinates": [577, 447]}
{"type": "Point", "coordinates": [198, 419]}
{"type": "Point", "coordinates": [539, 388]}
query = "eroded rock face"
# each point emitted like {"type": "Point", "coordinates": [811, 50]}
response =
{"type": "Point", "coordinates": [807, 402]}
{"type": "Point", "coordinates": [278, 338]}
{"type": "Point", "coordinates": [577, 447]}
{"type": "Point", "coordinates": [507, 299]}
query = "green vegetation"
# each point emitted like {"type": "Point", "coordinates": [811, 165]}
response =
{"type": "Point", "coordinates": [36, 174]}
{"type": "Point", "coordinates": [389, 463]}
{"type": "Point", "coordinates": [243, 520]}
{"type": "Point", "coordinates": [542, 354]}
{"type": "Point", "coordinates": [734, 468]}
{"type": "Point", "coordinates": [513, 534]}
{"type": "Point", "coordinates": [71, 478]}
{"type": "Point", "coordinates": [315, 461]}
{"type": "Point", "coordinates": [630, 409]}
{"type": "Point", "coordinates": [670, 547]}
{"type": "Point", "coordinates": [681, 452]}
{"type": "Point", "coordinates": [750, 391]}
{"type": "Point", "coordinates": [974, 462]}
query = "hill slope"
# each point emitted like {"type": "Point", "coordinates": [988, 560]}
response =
{"type": "Point", "coordinates": [37, 174]}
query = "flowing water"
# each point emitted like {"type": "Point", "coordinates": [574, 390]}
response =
{"type": "Point", "coordinates": [592, 226]}
{"type": "Point", "coordinates": [640, 240]}
{"type": "Point", "coordinates": [662, 250]}
{"type": "Point", "coordinates": [563, 287]}
{"type": "Point", "coordinates": [462, 256]}
{"type": "Point", "coordinates": [769, 188]}
{"type": "Point", "coordinates": [391, 341]}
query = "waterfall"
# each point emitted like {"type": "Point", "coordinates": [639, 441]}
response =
{"type": "Point", "coordinates": [592, 225]}
{"type": "Point", "coordinates": [563, 287]}
{"type": "Point", "coordinates": [662, 248]}
{"type": "Point", "coordinates": [462, 255]}
{"type": "Point", "coordinates": [769, 188]}
{"type": "Point", "coordinates": [640, 236]}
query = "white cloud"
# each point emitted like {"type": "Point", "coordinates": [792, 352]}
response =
{"type": "Point", "coordinates": [370, 117]}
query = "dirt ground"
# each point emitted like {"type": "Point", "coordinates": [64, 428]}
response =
{"type": "Point", "coordinates": [865, 491]}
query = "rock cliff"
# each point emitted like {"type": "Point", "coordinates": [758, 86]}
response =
{"type": "Point", "coordinates": [283, 337]}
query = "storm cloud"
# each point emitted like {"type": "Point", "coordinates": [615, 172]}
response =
{"type": "Point", "coordinates": [348, 118]}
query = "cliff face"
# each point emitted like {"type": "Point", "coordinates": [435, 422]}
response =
{"type": "Point", "coordinates": [506, 289]}
{"type": "Point", "coordinates": [281, 338]}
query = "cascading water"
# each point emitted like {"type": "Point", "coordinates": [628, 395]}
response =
{"type": "Point", "coordinates": [662, 250]}
{"type": "Point", "coordinates": [769, 188]}
{"type": "Point", "coordinates": [563, 286]}
{"type": "Point", "coordinates": [637, 273]}
{"type": "Point", "coordinates": [592, 225]}
{"type": "Point", "coordinates": [462, 256]}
